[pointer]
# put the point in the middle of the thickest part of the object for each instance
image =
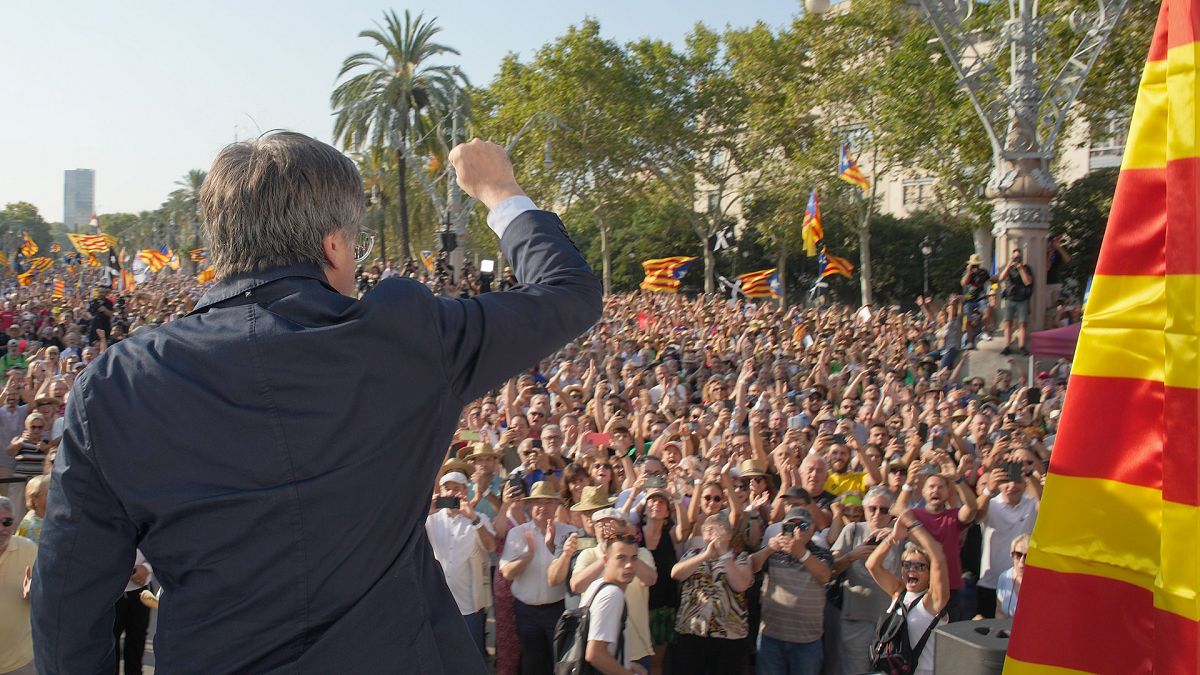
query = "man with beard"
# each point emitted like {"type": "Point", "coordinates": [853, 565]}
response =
{"type": "Point", "coordinates": [841, 478]}
{"type": "Point", "coordinates": [946, 524]}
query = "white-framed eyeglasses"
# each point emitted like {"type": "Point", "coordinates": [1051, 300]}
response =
{"type": "Point", "coordinates": [364, 241]}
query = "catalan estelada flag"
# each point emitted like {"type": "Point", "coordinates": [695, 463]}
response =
{"type": "Point", "coordinates": [26, 278]}
{"type": "Point", "coordinates": [1112, 579]}
{"type": "Point", "coordinates": [429, 260]}
{"type": "Point", "coordinates": [56, 247]}
{"type": "Point", "coordinates": [40, 263]}
{"type": "Point", "coordinates": [60, 288]}
{"type": "Point", "coordinates": [154, 259]}
{"type": "Point", "coordinates": [760, 284]}
{"type": "Point", "coordinates": [663, 274]}
{"type": "Point", "coordinates": [30, 247]}
{"type": "Point", "coordinates": [831, 265]}
{"type": "Point", "coordinates": [812, 231]}
{"type": "Point", "coordinates": [92, 243]}
{"type": "Point", "coordinates": [848, 171]}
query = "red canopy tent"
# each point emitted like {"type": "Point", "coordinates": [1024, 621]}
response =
{"type": "Point", "coordinates": [1056, 342]}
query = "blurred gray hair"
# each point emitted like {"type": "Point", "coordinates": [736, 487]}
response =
{"type": "Point", "coordinates": [6, 504]}
{"type": "Point", "coordinates": [878, 492]}
{"type": "Point", "coordinates": [271, 201]}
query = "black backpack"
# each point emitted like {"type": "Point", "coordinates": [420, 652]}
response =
{"type": "Point", "coordinates": [892, 654]}
{"type": "Point", "coordinates": [571, 638]}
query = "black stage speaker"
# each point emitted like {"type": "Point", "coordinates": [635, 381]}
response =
{"type": "Point", "coordinates": [972, 647]}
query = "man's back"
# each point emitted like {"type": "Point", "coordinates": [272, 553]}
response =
{"type": "Point", "coordinates": [274, 454]}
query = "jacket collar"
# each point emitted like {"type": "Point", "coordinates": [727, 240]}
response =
{"type": "Point", "coordinates": [244, 284]}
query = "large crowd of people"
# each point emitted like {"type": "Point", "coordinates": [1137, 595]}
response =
{"type": "Point", "coordinates": [723, 486]}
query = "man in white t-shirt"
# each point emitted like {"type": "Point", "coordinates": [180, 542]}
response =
{"type": "Point", "coordinates": [605, 600]}
{"type": "Point", "coordinates": [589, 567]}
{"type": "Point", "coordinates": [462, 542]}
{"type": "Point", "coordinates": [1005, 512]}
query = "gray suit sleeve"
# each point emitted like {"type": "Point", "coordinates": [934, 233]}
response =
{"type": "Point", "coordinates": [85, 558]}
{"type": "Point", "coordinates": [492, 337]}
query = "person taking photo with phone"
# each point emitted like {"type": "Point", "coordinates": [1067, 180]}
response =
{"type": "Point", "coordinates": [462, 540]}
{"type": "Point", "coordinates": [793, 596]}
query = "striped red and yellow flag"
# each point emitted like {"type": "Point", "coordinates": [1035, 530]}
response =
{"type": "Point", "coordinates": [1112, 578]}
{"type": "Point", "coordinates": [29, 247]}
{"type": "Point", "coordinates": [60, 289]}
{"type": "Point", "coordinates": [760, 284]}
{"type": "Point", "coordinates": [26, 278]}
{"type": "Point", "coordinates": [41, 263]}
{"type": "Point", "coordinates": [56, 247]}
{"type": "Point", "coordinates": [154, 259]}
{"type": "Point", "coordinates": [128, 281]}
{"type": "Point", "coordinates": [92, 243]}
{"type": "Point", "coordinates": [663, 274]}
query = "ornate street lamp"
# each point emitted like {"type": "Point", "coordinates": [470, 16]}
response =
{"type": "Point", "coordinates": [926, 254]}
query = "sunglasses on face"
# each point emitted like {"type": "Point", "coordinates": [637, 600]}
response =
{"type": "Point", "coordinates": [876, 509]}
{"type": "Point", "coordinates": [713, 498]}
{"type": "Point", "coordinates": [37, 426]}
{"type": "Point", "coordinates": [913, 566]}
{"type": "Point", "coordinates": [758, 479]}
{"type": "Point", "coordinates": [1019, 555]}
{"type": "Point", "coordinates": [6, 522]}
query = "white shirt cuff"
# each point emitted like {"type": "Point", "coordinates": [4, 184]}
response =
{"type": "Point", "coordinates": [507, 211]}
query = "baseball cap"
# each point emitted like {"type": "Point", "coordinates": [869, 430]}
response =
{"type": "Point", "coordinates": [614, 514]}
{"type": "Point", "coordinates": [454, 477]}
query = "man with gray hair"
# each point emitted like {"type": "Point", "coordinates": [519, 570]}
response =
{"type": "Point", "coordinates": [862, 600]}
{"type": "Point", "coordinates": [272, 453]}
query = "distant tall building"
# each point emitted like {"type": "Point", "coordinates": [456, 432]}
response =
{"type": "Point", "coordinates": [79, 197]}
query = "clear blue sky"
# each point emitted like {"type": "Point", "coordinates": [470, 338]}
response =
{"type": "Point", "coordinates": [142, 92]}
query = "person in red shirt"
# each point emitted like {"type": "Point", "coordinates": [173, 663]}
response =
{"type": "Point", "coordinates": [939, 515]}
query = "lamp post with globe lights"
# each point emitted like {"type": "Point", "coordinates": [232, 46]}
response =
{"type": "Point", "coordinates": [1023, 117]}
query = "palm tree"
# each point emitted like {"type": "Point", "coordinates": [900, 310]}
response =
{"type": "Point", "coordinates": [380, 104]}
{"type": "Point", "coordinates": [183, 209]}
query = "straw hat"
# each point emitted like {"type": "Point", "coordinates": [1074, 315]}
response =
{"type": "Point", "coordinates": [543, 490]}
{"type": "Point", "coordinates": [752, 467]}
{"type": "Point", "coordinates": [479, 450]}
{"type": "Point", "coordinates": [594, 497]}
{"type": "Point", "coordinates": [974, 259]}
{"type": "Point", "coordinates": [455, 465]}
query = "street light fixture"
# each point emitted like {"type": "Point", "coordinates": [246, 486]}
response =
{"type": "Point", "coordinates": [926, 253]}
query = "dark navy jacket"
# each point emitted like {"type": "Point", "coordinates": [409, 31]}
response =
{"type": "Point", "coordinates": [273, 455]}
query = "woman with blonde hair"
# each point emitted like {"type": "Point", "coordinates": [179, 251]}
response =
{"type": "Point", "coordinates": [1009, 585]}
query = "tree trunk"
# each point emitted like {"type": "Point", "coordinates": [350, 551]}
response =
{"type": "Point", "coordinates": [402, 203]}
{"type": "Point", "coordinates": [781, 272]}
{"type": "Point", "coordinates": [864, 262]}
{"type": "Point", "coordinates": [605, 254]}
{"type": "Point", "coordinates": [710, 268]}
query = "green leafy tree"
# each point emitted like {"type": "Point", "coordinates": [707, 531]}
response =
{"type": "Point", "coordinates": [693, 143]}
{"type": "Point", "coordinates": [16, 219]}
{"type": "Point", "coordinates": [386, 98]}
{"type": "Point", "coordinates": [593, 88]}
{"type": "Point", "coordinates": [1080, 214]}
